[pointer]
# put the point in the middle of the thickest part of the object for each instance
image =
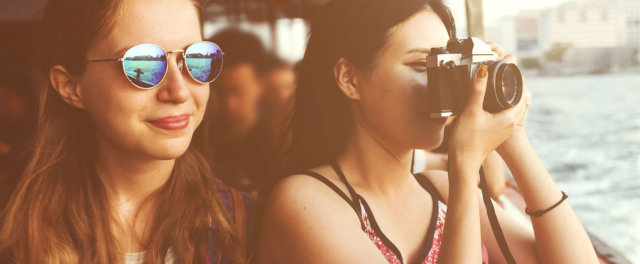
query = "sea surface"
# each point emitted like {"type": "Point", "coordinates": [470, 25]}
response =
{"type": "Point", "coordinates": [586, 130]}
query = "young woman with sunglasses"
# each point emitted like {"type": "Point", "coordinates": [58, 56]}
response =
{"type": "Point", "coordinates": [355, 124]}
{"type": "Point", "coordinates": [119, 173]}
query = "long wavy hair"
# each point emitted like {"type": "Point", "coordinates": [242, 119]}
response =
{"type": "Point", "coordinates": [59, 211]}
{"type": "Point", "coordinates": [355, 30]}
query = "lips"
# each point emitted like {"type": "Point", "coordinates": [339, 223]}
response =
{"type": "Point", "coordinates": [171, 122]}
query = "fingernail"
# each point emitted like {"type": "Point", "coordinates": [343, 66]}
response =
{"type": "Point", "coordinates": [482, 71]}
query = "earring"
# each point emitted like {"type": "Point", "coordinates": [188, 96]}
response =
{"type": "Point", "coordinates": [353, 92]}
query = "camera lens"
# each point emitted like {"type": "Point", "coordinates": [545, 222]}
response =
{"type": "Point", "coordinates": [509, 85]}
{"type": "Point", "coordinates": [504, 87]}
{"type": "Point", "coordinates": [509, 78]}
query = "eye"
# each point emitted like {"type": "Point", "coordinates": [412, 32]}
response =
{"type": "Point", "coordinates": [419, 66]}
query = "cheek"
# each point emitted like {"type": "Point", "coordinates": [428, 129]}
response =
{"type": "Point", "coordinates": [114, 104]}
{"type": "Point", "coordinates": [392, 97]}
{"type": "Point", "coordinates": [392, 105]}
{"type": "Point", "coordinates": [201, 98]}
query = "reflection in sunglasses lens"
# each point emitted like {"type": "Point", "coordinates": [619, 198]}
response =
{"type": "Point", "coordinates": [145, 65]}
{"type": "Point", "coordinates": [204, 61]}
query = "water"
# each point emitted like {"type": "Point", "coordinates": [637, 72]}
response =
{"type": "Point", "coordinates": [586, 130]}
{"type": "Point", "coordinates": [148, 73]}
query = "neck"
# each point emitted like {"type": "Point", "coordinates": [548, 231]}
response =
{"type": "Point", "coordinates": [375, 165]}
{"type": "Point", "coordinates": [130, 178]}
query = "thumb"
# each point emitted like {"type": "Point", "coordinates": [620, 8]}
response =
{"type": "Point", "coordinates": [478, 88]}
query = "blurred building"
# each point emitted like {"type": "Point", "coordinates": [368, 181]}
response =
{"type": "Point", "coordinates": [518, 35]}
{"type": "Point", "coordinates": [528, 36]}
{"type": "Point", "coordinates": [630, 9]}
{"type": "Point", "coordinates": [504, 33]}
{"type": "Point", "coordinates": [593, 24]}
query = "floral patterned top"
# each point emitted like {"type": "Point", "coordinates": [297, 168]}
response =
{"type": "Point", "coordinates": [431, 254]}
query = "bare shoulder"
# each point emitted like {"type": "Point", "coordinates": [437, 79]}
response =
{"type": "Point", "coordinates": [305, 220]}
{"type": "Point", "coordinates": [304, 198]}
{"type": "Point", "coordinates": [298, 189]}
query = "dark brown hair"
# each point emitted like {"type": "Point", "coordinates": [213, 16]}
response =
{"type": "Point", "coordinates": [355, 30]}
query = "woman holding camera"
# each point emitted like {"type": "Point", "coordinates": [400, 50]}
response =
{"type": "Point", "coordinates": [118, 174]}
{"type": "Point", "coordinates": [352, 198]}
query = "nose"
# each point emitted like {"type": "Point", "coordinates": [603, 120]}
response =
{"type": "Point", "coordinates": [173, 88]}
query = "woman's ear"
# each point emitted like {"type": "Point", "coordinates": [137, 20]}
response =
{"type": "Point", "coordinates": [66, 86]}
{"type": "Point", "coordinates": [345, 74]}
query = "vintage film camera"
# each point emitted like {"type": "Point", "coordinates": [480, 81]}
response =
{"type": "Point", "coordinates": [451, 69]}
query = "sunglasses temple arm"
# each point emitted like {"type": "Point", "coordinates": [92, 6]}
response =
{"type": "Point", "coordinates": [101, 60]}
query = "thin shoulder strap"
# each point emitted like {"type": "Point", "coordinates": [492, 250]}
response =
{"type": "Point", "coordinates": [337, 190]}
{"type": "Point", "coordinates": [327, 182]}
{"type": "Point", "coordinates": [356, 204]}
{"type": "Point", "coordinates": [352, 192]}
{"type": "Point", "coordinates": [428, 185]}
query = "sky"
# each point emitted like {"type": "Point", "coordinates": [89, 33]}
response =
{"type": "Point", "coordinates": [496, 9]}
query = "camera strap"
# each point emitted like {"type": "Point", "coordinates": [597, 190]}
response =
{"type": "Point", "coordinates": [493, 219]}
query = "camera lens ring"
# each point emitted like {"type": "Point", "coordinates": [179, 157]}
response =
{"type": "Point", "coordinates": [498, 80]}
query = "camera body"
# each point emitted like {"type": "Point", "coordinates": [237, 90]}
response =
{"type": "Point", "coordinates": [451, 69]}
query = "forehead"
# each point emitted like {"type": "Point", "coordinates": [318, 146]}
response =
{"type": "Point", "coordinates": [424, 30]}
{"type": "Point", "coordinates": [171, 24]}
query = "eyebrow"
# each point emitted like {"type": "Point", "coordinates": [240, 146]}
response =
{"type": "Point", "coordinates": [419, 50]}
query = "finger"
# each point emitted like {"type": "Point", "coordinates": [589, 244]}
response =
{"type": "Point", "coordinates": [522, 118]}
{"type": "Point", "coordinates": [478, 88]}
{"type": "Point", "coordinates": [527, 105]}
{"type": "Point", "coordinates": [513, 114]}
{"type": "Point", "coordinates": [497, 49]}
{"type": "Point", "coordinates": [510, 59]}
{"type": "Point", "coordinates": [524, 108]}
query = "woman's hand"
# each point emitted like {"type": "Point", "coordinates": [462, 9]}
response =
{"type": "Point", "coordinates": [519, 134]}
{"type": "Point", "coordinates": [476, 133]}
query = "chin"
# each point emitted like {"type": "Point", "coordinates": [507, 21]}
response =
{"type": "Point", "coordinates": [430, 140]}
{"type": "Point", "coordinates": [168, 150]}
{"type": "Point", "coordinates": [429, 145]}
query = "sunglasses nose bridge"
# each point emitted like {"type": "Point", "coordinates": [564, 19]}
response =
{"type": "Point", "coordinates": [180, 61]}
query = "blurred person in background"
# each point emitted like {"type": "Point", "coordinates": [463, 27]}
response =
{"type": "Point", "coordinates": [250, 102]}
{"type": "Point", "coordinates": [118, 172]}
{"type": "Point", "coordinates": [17, 125]}
{"type": "Point", "coordinates": [20, 78]}
{"type": "Point", "coordinates": [17, 109]}
{"type": "Point", "coordinates": [238, 89]}
{"type": "Point", "coordinates": [279, 82]}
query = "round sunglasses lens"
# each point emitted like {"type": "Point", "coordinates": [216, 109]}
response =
{"type": "Point", "coordinates": [204, 61]}
{"type": "Point", "coordinates": [145, 65]}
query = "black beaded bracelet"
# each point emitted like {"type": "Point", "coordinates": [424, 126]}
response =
{"type": "Point", "coordinates": [542, 212]}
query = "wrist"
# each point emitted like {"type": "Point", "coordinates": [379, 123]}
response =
{"type": "Point", "coordinates": [463, 168]}
{"type": "Point", "coordinates": [517, 153]}
{"type": "Point", "coordinates": [465, 155]}
{"type": "Point", "coordinates": [517, 143]}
